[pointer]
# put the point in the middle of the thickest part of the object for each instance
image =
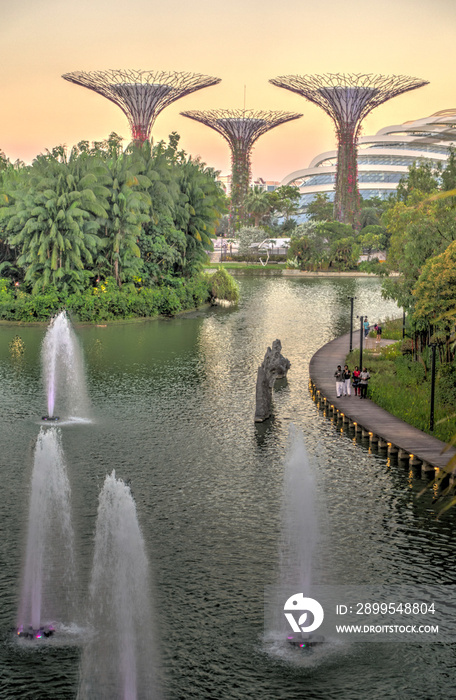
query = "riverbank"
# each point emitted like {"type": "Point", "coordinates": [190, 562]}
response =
{"type": "Point", "coordinates": [379, 426]}
{"type": "Point", "coordinates": [106, 301]}
{"type": "Point", "coordinates": [279, 269]}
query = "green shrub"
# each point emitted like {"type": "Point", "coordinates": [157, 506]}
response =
{"type": "Point", "coordinates": [403, 388]}
{"type": "Point", "coordinates": [223, 286]}
{"type": "Point", "coordinates": [446, 384]}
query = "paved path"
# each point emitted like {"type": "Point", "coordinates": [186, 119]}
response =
{"type": "Point", "coordinates": [366, 413]}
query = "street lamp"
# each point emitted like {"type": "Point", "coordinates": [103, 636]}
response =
{"type": "Point", "coordinates": [431, 419]}
{"type": "Point", "coordinates": [361, 338]}
{"type": "Point", "coordinates": [351, 321]}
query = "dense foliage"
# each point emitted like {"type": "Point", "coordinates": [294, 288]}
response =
{"type": "Point", "coordinates": [223, 286]}
{"type": "Point", "coordinates": [138, 222]}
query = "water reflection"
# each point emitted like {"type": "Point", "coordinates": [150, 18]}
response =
{"type": "Point", "coordinates": [174, 405]}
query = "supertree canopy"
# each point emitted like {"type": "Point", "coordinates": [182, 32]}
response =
{"type": "Point", "coordinates": [347, 98]}
{"type": "Point", "coordinates": [241, 128]}
{"type": "Point", "coordinates": [141, 95]}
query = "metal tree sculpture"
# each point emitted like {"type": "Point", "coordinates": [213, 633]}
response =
{"type": "Point", "coordinates": [347, 98]}
{"type": "Point", "coordinates": [141, 95]}
{"type": "Point", "coordinates": [241, 128]}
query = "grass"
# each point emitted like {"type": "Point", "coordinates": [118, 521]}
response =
{"type": "Point", "coordinates": [401, 387]}
{"type": "Point", "coordinates": [244, 266]}
{"type": "Point", "coordinates": [391, 330]}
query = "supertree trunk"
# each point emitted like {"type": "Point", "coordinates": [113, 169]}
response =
{"type": "Point", "coordinates": [240, 182]}
{"type": "Point", "coordinates": [347, 200]}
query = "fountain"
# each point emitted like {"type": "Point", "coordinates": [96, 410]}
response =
{"type": "Point", "coordinates": [119, 660]}
{"type": "Point", "coordinates": [297, 545]}
{"type": "Point", "coordinates": [49, 573]}
{"type": "Point", "coordinates": [299, 527]}
{"type": "Point", "coordinates": [63, 370]}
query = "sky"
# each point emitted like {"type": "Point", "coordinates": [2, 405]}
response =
{"type": "Point", "coordinates": [243, 42]}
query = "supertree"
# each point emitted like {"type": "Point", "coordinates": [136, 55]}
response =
{"type": "Point", "coordinates": [241, 128]}
{"type": "Point", "coordinates": [141, 95]}
{"type": "Point", "coordinates": [347, 99]}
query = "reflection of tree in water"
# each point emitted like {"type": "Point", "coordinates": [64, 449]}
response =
{"type": "Point", "coordinates": [17, 347]}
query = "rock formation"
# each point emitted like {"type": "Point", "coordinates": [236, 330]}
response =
{"type": "Point", "coordinates": [274, 366]}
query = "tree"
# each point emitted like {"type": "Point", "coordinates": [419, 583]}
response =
{"type": "Point", "coordinates": [285, 201]}
{"type": "Point", "coordinates": [128, 210]}
{"type": "Point", "coordinates": [420, 229]}
{"type": "Point", "coordinates": [435, 291]}
{"type": "Point", "coordinates": [369, 216]}
{"type": "Point", "coordinates": [201, 205]}
{"type": "Point", "coordinates": [448, 176]}
{"type": "Point", "coordinates": [321, 209]}
{"type": "Point", "coordinates": [344, 252]}
{"type": "Point", "coordinates": [257, 204]}
{"type": "Point", "coordinates": [162, 248]}
{"type": "Point", "coordinates": [372, 238]}
{"type": "Point", "coordinates": [302, 251]}
{"type": "Point", "coordinates": [421, 177]}
{"type": "Point", "coordinates": [308, 228]}
{"type": "Point", "coordinates": [54, 224]}
{"type": "Point", "coordinates": [333, 230]}
{"type": "Point", "coordinates": [248, 235]}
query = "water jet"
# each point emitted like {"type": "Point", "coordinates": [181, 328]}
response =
{"type": "Point", "coordinates": [63, 369]}
{"type": "Point", "coordinates": [119, 660]}
{"type": "Point", "coordinates": [48, 580]}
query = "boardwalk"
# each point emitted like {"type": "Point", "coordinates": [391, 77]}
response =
{"type": "Point", "coordinates": [368, 415]}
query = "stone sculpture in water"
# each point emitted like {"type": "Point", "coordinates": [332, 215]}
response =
{"type": "Point", "coordinates": [274, 366]}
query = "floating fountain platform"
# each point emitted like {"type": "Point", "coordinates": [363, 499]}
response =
{"type": "Point", "coordinates": [50, 418]}
{"type": "Point", "coordinates": [30, 633]}
{"type": "Point", "coordinates": [305, 641]}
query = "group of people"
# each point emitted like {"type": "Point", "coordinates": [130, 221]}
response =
{"type": "Point", "coordinates": [377, 328]}
{"type": "Point", "coordinates": [345, 379]}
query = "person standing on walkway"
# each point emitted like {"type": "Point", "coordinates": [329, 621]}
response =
{"type": "Point", "coordinates": [366, 327]}
{"type": "Point", "coordinates": [363, 380]}
{"type": "Point", "coordinates": [339, 375]}
{"type": "Point", "coordinates": [347, 376]}
{"type": "Point", "coordinates": [356, 387]}
{"type": "Point", "coordinates": [379, 333]}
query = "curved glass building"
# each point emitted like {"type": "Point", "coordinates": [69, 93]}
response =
{"type": "Point", "coordinates": [382, 159]}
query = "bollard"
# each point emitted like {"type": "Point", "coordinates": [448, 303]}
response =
{"type": "Point", "coordinates": [426, 467]}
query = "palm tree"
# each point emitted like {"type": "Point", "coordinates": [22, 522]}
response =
{"type": "Point", "coordinates": [199, 209]}
{"type": "Point", "coordinates": [128, 210]}
{"type": "Point", "coordinates": [258, 204]}
{"type": "Point", "coordinates": [54, 223]}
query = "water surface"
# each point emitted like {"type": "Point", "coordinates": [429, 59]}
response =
{"type": "Point", "coordinates": [172, 406]}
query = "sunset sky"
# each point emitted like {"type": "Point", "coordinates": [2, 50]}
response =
{"type": "Point", "coordinates": [243, 42]}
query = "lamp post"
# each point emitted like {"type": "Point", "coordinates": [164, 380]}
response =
{"type": "Point", "coordinates": [403, 323]}
{"type": "Point", "coordinates": [431, 419]}
{"type": "Point", "coordinates": [361, 338]}
{"type": "Point", "coordinates": [351, 321]}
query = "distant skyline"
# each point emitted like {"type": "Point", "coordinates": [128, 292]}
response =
{"type": "Point", "coordinates": [244, 42]}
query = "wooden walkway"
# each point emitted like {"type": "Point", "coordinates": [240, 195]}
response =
{"type": "Point", "coordinates": [391, 432]}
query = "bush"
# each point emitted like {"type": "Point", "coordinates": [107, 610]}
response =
{"type": "Point", "coordinates": [372, 266]}
{"type": "Point", "coordinates": [223, 286]}
{"type": "Point", "coordinates": [446, 384]}
{"type": "Point", "coordinates": [106, 301]}
{"type": "Point", "coordinates": [401, 387]}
